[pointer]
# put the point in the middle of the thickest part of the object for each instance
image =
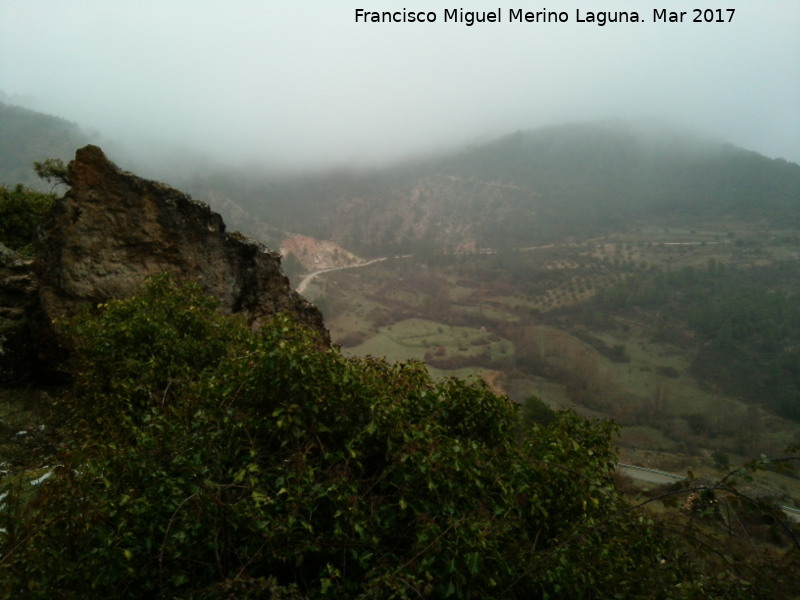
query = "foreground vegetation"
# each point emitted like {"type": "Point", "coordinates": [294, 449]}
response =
{"type": "Point", "coordinates": [197, 459]}
{"type": "Point", "coordinates": [21, 209]}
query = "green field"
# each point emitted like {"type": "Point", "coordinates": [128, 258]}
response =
{"type": "Point", "coordinates": [467, 349]}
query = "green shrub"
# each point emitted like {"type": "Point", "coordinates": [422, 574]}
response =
{"type": "Point", "coordinates": [203, 460]}
{"type": "Point", "coordinates": [21, 209]}
{"type": "Point", "coordinates": [535, 411]}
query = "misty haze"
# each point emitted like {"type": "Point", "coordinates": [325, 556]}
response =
{"type": "Point", "coordinates": [366, 301]}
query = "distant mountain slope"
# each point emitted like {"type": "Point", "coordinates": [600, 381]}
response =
{"type": "Point", "coordinates": [617, 169]}
{"type": "Point", "coordinates": [27, 136]}
{"type": "Point", "coordinates": [523, 189]}
{"type": "Point", "coordinates": [527, 188]}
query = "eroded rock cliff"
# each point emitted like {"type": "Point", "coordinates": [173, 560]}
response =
{"type": "Point", "coordinates": [113, 229]}
{"type": "Point", "coordinates": [109, 233]}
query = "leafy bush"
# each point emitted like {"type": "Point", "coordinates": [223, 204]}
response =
{"type": "Point", "coordinates": [203, 460]}
{"type": "Point", "coordinates": [20, 211]}
{"type": "Point", "coordinates": [534, 410]}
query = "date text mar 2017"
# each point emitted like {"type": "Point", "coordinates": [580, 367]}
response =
{"type": "Point", "coordinates": [708, 15]}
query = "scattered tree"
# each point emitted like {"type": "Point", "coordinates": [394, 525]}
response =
{"type": "Point", "coordinates": [52, 170]}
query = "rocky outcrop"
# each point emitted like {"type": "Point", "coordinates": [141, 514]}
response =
{"type": "Point", "coordinates": [113, 229]}
{"type": "Point", "coordinates": [315, 255]}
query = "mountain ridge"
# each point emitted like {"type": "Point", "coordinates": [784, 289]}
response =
{"type": "Point", "coordinates": [532, 187]}
{"type": "Point", "coordinates": [521, 189]}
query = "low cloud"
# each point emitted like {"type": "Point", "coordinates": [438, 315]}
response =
{"type": "Point", "coordinates": [303, 84]}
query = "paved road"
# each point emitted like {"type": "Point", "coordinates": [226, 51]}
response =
{"type": "Point", "coordinates": [660, 477]}
{"type": "Point", "coordinates": [310, 277]}
{"type": "Point", "coordinates": [648, 475]}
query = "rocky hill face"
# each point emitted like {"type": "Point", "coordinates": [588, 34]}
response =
{"type": "Point", "coordinates": [449, 214]}
{"type": "Point", "coordinates": [314, 254]}
{"type": "Point", "coordinates": [113, 229]}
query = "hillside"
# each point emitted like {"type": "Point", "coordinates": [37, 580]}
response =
{"type": "Point", "coordinates": [609, 171]}
{"type": "Point", "coordinates": [27, 136]}
{"type": "Point", "coordinates": [524, 189]}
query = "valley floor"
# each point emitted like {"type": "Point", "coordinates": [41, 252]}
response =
{"type": "Point", "coordinates": [528, 322]}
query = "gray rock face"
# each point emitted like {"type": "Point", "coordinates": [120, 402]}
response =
{"type": "Point", "coordinates": [113, 229]}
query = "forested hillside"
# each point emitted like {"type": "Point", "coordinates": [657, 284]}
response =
{"type": "Point", "coordinates": [747, 321]}
{"type": "Point", "coordinates": [526, 188]}
{"type": "Point", "coordinates": [519, 190]}
{"type": "Point", "coordinates": [610, 171]}
{"type": "Point", "coordinates": [27, 136]}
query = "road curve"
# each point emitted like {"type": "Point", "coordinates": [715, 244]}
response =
{"type": "Point", "coordinates": [310, 277]}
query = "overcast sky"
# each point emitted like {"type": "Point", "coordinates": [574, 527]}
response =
{"type": "Point", "coordinates": [301, 83]}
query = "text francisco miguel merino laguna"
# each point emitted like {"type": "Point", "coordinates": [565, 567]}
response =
{"type": "Point", "coordinates": [518, 15]}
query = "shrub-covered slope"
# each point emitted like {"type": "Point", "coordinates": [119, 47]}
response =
{"type": "Point", "coordinates": [203, 460]}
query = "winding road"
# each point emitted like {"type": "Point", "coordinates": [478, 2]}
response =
{"type": "Point", "coordinates": [310, 277]}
